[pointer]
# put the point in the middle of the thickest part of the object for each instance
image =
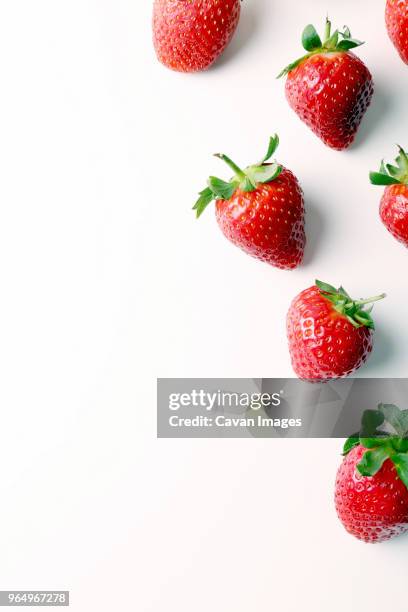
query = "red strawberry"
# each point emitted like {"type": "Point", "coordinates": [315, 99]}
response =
{"type": "Point", "coordinates": [330, 88]}
{"type": "Point", "coordinates": [189, 35]}
{"type": "Point", "coordinates": [396, 18]}
{"type": "Point", "coordinates": [371, 491]}
{"type": "Point", "coordinates": [394, 203]}
{"type": "Point", "coordinates": [330, 335]}
{"type": "Point", "coordinates": [260, 210]}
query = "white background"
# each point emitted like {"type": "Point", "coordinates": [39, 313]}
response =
{"type": "Point", "coordinates": [107, 281]}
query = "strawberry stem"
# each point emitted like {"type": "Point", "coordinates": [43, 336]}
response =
{"type": "Point", "coordinates": [327, 30]}
{"type": "Point", "coordinates": [377, 298]}
{"type": "Point", "coordinates": [239, 173]}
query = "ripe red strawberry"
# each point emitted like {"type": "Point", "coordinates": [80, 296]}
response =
{"type": "Point", "coordinates": [330, 335]}
{"type": "Point", "coordinates": [260, 210]}
{"type": "Point", "coordinates": [371, 491]}
{"type": "Point", "coordinates": [396, 18]}
{"type": "Point", "coordinates": [189, 35]}
{"type": "Point", "coordinates": [394, 202]}
{"type": "Point", "coordinates": [330, 88]}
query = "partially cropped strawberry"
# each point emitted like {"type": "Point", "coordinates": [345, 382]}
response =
{"type": "Point", "coordinates": [189, 35]}
{"type": "Point", "coordinates": [394, 202]}
{"type": "Point", "coordinates": [260, 210]}
{"type": "Point", "coordinates": [330, 335]}
{"type": "Point", "coordinates": [329, 88]}
{"type": "Point", "coordinates": [396, 18]}
{"type": "Point", "coordinates": [371, 491]}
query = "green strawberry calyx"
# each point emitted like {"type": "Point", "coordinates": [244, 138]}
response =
{"type": "Point", "coordinates": [392, 175]}
{"type": "Point", "coordinates": [247, 180]}
{"type": "Point", "coordinates": [339, 41]}
{"type": "Point", "coordinates": [384, 435]}
{"type": "Point", "coordinates": [357, 312]}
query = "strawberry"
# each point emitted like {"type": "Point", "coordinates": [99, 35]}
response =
{"type": "Point", "coordinates": [330, 335]}
{"type": "Point", "coordinates": [330, 88]}
{"type": "Point", "coordinates": [394, 202]}
{"type": "Point", "coordinates": [396, 18]}
{"type": "Point", "coordinates": [371, 491]}
{"type": "Point", "coordinates": [260, 210]}
{"type": "Point", "coordinates": [189, 35]}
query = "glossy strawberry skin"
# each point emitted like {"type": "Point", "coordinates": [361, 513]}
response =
{"type": "Point", "coordinates": [371, 508]}
{"type": "Point", "coordinates": [190, 35]}
{"type": "Point", "coordinates": [323, 344]}
{"type": "Point", "coordinates": [267, 223]}
{"type": "Point", "coordinates": [396, 18]}
{"type": "Point", "coordinates": [330, 92]}
{"type": "Point", "coordinates": [394, 211]}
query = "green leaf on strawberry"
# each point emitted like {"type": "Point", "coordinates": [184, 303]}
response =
{"type": "Point", "coordinates": [390, 174]}
{"type": "Point", "coordinates": [390, 442]}
{"type": "Point", "coordinates": [350, 443]}
{"type": "Point", "coordinates": [347, 44]}
{"type": "Point", "coordinates": [326, 288]}
{"type": "Point", "coordinates": [272, 146]}
{"type": "Point", "coordinates": [206, 196]}
{"type": "Point", "coordinates": [311, 41]}
{"type": "Point", "coordinates": [357, 312]}
{"type": "Point", "coordinates": [264, 174]}
{"type": "Point", "coordinates": [220, 188]}
{"type": "Point", "coordinates": [400, 460]}
{"type": "Point", "coordinates": [371, 421]}
{"type": "Point", "coordinates": [397, 418]}
{"type": "Point", "coordinates": [373, 461]}
{"type": "Point", "coordinates": [378, 178]}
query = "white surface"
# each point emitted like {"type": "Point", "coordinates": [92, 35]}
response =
{"type": "Point", "coordinates": [108, 281]}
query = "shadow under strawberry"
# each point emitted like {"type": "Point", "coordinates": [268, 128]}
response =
{"type": "Point", "coordinates": [315, 229]}
{"type": "Point", "coordinates": [385, 351]}
{"type": "Point", "coordinates": [247, 27]}
{"type": "Point", "coordinates": [379, 110]}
